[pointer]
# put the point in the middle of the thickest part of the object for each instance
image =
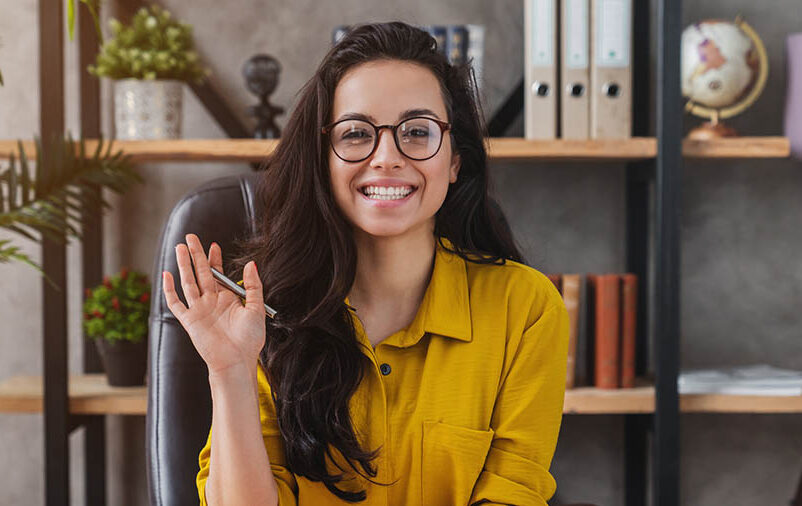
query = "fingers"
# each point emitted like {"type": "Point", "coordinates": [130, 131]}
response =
{"type": "Point", "coordinates": [216, 256]}
{"type": "Point", "coordinates": [253, 288]}
{"type": "Point", "coordinates": [203, 273]}
{"type": "Point", "coordinates": [191, 291]}
{"type": "Point", "coordinates": [171, 297]}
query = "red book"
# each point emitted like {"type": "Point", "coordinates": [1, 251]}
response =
{"type": "Point", "coordinates": [606, 314]}
{"type": "Point", "coordinates": [629, 311]}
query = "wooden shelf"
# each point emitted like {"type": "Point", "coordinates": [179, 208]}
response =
{"type": "Point", "coordinates": [499, 149]}
{"type": "Point", "coordinates": [738, 147]}
{"type": "Point", "coordinates": [250, 150]}
{"type": "Point", "coordinates": [594, 401]}
{"type": "Point", "coordinates": [513, 148]}
{"type": "Point", "coordinates": [641, 400]}
{"type": "Point", "coordinates": [89, 394]}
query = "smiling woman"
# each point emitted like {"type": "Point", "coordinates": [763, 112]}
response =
{"type": "Point", "coordinates": [414, 359]}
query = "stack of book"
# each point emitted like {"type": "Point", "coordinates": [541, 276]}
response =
{"type": "Point", "coordinates": [577, 69]}
{"type": "Point", "coordinates": [459, 43]}
{"type": "Point", "coordinates": [602, 312]}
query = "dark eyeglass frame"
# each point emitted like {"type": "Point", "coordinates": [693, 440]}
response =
{"type": "Point", "coordinates": [444, 127]}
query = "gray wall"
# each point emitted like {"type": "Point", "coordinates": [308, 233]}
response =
{"type": "Point", "coordinates": [740, 223]}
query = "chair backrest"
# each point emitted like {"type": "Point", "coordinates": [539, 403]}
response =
{"type": "Point", "coordinates": [179, 402]}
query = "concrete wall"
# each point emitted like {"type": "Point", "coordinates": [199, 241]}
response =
{"type": "Point", "coordinates": [740, 232]}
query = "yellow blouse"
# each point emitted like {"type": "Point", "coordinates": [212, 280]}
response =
{"type": "Point", "coordinates": [466, 401]}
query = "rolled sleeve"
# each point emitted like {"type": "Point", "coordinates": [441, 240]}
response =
{"type": "Point", "coordinates": [527, 417]}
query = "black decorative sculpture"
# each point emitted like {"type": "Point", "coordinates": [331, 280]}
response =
{"type": "Point", "coordinates": [261, 73]}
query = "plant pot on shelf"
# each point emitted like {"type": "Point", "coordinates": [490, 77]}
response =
{"type": "Point", "coordinates": [148, 109]}
{"type": "Point", "coordinates": [124, 361]}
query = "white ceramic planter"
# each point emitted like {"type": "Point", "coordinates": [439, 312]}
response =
{"type": "Point", "coordinates": [147, 109]}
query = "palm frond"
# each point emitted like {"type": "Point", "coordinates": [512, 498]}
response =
{"type": "Point", "coordinates": [66, 185]}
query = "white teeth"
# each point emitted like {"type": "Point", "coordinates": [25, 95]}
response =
{"type": "Point", "coordinates": [387, 192]}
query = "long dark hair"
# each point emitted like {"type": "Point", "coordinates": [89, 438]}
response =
{"type": "Point", "coordinates": [307, 255]}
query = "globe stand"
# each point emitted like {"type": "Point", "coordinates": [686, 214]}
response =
{"type": "Point", "coordinates": [712, 129]}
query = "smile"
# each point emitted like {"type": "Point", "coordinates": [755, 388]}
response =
{"type": "Point", "coordinates": [387, 192]}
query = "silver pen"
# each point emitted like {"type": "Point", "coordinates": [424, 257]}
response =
{"type": "Point", "coordinates": [225, 281]}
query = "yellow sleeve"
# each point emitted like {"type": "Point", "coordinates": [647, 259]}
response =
{"type": "Point", "coordinates": [527, 417]}
{"type": "Point", "coordinates": [287, 486]}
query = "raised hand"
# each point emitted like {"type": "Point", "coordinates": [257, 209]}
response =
{"type": "Point", "coordinates": [224, 332]}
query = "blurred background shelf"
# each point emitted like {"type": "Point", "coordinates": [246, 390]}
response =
{"type": "Point", "coordinates": [499, 149]}
{"type": "Point", "coordinates": [90, 394]}
{"type": "Point", "coordinates": [738, 147]}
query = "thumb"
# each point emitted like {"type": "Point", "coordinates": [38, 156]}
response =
{"type": "Point", "coordinates": [253, 288]}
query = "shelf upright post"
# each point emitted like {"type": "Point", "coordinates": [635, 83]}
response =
{"type": "Point", "coordinates": [666, 440]}
{"type": "Point", "coordinates": [640, 176]}
{"type": "Point", "coordinates": [91, 258]}
{"type": "Point", "coordinates": [54, 263]}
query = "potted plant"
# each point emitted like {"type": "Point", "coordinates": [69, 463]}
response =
{"type": "Point", "coordinates": [116, 317]}
{"type": "Point", "coordinates": [149, 60]}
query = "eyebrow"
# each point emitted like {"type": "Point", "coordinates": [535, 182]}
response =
{"type": "Point", "coordinates": [409, 113]}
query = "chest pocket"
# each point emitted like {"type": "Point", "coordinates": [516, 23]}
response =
{"type": "Point", "coordinates": [453, 458]}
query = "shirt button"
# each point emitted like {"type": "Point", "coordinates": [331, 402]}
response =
{"type": "Point", "coordinates": [385, 369]}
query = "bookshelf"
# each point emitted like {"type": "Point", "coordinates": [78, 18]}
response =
{"type": "Point", "coordinates": [90, 394]}
{"type": "Point", "coordinates": [651, 411]}
{"type": "Point", "coordinates": [500, 149]}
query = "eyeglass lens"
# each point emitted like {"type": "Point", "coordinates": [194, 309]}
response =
{"type": "Point", "coordinates": [418, 138]}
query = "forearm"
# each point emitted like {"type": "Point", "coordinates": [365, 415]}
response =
{"type": "Point", "coordinates": [239, 468]}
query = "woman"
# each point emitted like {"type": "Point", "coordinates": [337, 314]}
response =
{"type": "Point", "coordinates": [414, 359]}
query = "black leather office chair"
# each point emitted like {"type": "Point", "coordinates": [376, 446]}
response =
{"type": "Point", "coordinates": [179, 402]}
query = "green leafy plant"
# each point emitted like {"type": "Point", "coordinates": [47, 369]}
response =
{"type": "Point", "coordinates": [153, 46]}
{"type": "Point", "coordinates": [93, 6]}
{"type": "Point", "coordinates": [51, 201]}
{"type": "Point", "coordinates": [117, 309]}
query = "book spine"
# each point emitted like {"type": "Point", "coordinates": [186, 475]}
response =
{"type": "Point", "coordinates": [629, 311]}
{"type": "Point", "coordinates": [556, 281]}
{"type": "Point", "coordinates": [457, 44]}
{"type": "Point", "coordinates": [607, 331]}
{"type": "Point", "coordinates": [438, 32]}
{"type": "Point", "coordinates": [571, 285]}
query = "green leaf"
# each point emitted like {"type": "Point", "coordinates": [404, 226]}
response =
{"type": "Point", "coordinates": [71, 18]}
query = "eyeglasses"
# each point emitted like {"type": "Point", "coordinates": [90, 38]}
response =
{"type": "Point", "coordinates": [418, 138]}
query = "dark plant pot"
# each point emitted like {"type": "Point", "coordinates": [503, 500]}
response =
{"type": "Point", "coordinates": [124, 361]}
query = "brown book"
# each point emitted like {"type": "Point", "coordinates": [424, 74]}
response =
{"type": "Point", "coordinates": [570, 284]}
{"type": "Point", "coordinates": [629, 311]}
{"type": "Point", "coordinates": [606, 307]}
{"type": "Point", "coordinates": [557, 280]}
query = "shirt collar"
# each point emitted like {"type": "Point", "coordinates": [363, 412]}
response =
{"type": "Point", "coordinates": [445, 308]}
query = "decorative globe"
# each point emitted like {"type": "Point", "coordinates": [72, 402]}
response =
{"type": "Point", "coordinates": [724, 69]}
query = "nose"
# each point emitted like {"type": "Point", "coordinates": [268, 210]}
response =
{"type": "Point", "coordinates": [386, 155]}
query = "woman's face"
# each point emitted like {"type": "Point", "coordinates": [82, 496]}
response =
{"type": "Point", "coordinates": [384, 93]}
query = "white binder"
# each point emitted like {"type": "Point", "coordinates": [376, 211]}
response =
{"type": "Point", "coordinates": [575, 69]}
{"type": "Point", "coordinates": [611, 69]}
{"type": "Point", "coordinates": [540, 69]}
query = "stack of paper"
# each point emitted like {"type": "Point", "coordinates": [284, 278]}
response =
{"type": "Point", "coordinates": [748, 380]}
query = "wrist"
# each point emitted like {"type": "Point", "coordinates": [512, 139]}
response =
{"type": "Point", "coordinates": [235, 373]}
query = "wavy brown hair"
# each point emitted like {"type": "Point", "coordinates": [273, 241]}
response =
{"type": "Point", "coordinates": [307, 256]}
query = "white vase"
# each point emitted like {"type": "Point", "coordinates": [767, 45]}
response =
{"type": "Point", "coordinates": [793, 99]}
{"type": "Point", "coordinates": [147, 109]}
